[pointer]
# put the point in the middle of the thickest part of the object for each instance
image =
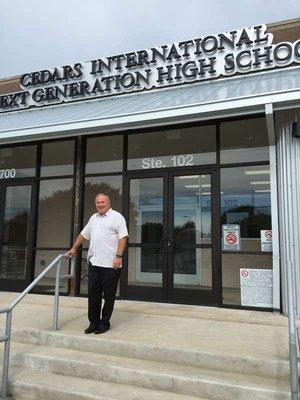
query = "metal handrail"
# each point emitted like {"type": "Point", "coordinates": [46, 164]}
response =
{"type": "Point", "coordinates": [8, 310]}
{"type": "Point", "coordinates": [292, 334]}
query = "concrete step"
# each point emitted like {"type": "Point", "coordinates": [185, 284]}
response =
{"type": "Point", "coordinates": [250, 364]}
{"type": "Point", "coordinates": [37, 385]}
{"type": "Point", "coordinates": [192, 351]}
{"type": "Point", "coordinates": [160, 376]}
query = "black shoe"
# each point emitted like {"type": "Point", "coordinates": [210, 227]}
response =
{"type": "Point", "coordinates": [101, 329]}
{"type": "Point", "coordinates": [90, 329]}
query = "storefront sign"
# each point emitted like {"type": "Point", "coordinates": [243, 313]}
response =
{"type": "Point", "coordinates": [256, 287]}
{"type": "Point", "coordinates": [231, 237]}
{"type": "Point", "coordinates": [181, 160]}
{"type": "Point", "coordinates": [266, 240]}
{"type": "Point", "coordinates": [224, 54]}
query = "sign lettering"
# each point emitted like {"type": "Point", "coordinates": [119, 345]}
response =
{"type": "Point", "coordinates": [239, 51]}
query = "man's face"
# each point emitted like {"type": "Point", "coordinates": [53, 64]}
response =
{"type": "Point", "coordinates": [102, 204]}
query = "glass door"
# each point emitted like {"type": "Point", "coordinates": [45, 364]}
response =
{"type": "Point", "coordinates": [147, 237]}
{"type": "Point", "coordinates": [173, 237]}
{"type": "Point", "coordinates": [193, 248]}
{"type": "Point", "coordinates": [16, 216]}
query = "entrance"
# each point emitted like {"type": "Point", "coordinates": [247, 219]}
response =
{"type": "Point", "coordinates": [173, 236]}
{"type": "Point", "coordinates": [16, 233]}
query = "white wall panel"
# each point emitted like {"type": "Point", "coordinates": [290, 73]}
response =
{"type": "Point", "coordinates": [288, 156]}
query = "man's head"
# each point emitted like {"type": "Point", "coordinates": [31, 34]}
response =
{"type": "Point", "coordinates": [102, 203]}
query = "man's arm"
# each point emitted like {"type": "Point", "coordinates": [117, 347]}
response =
{"type": "Point", "coordinates": [78, 242]}
{"type": "Point", "coordinates": [121, 247]}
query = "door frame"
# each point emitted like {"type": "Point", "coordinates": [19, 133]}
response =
{"type": "Point", "coordinates": [167, 293]}
{"type": "Point", "coordinates": [135, 292]}
{"type": "Point", "coordinates": [16, 285]}
{"type": "Point", "coordinates": [211, 297]}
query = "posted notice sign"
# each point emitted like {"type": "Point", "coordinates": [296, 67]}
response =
{"type": "Point", "coordinates": [256, 287]}
{"type": "Point", "coordinates": [266, 240]}
{"type": "Point", "coordinates": [231, 237]}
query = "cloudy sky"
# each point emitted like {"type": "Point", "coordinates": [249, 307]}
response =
{"type": "Point", "coordinates": [37, 34]}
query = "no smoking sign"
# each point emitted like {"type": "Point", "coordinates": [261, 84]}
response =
{"type": "Point", "coordinates": [268, 234]}
{"type": "Point", "coordinates": [266, 240]}
{"type": "Point", "coordinates": [231, 237]}
{"type": "Point", "coordinates": [244, 273]}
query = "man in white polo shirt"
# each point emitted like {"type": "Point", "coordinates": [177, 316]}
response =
{"type": "Point", "coordinates": [107, 232]}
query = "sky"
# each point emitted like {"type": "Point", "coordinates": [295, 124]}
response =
{"type": "Point", "coordinates": [37, 34]}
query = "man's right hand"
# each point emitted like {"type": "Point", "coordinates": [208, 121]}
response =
{"type": "Point", "coordinates": [71, 252]}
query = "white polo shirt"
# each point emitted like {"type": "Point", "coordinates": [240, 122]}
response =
{"type": "Point", "coordinates": [104, 232]}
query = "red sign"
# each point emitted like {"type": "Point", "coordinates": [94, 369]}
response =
{"type": "Point", "coordinates": [244, 273]}
{"type": "Point", "coordinates": [268, 234]}
{"type": "Point", "coordinates": [231, 238]}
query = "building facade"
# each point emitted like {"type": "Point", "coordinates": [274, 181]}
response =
{"type": "Point", "coordinates": [203, 165]}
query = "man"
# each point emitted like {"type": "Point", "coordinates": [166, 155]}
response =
{"type": "Point", "coordinates": [107, 232]}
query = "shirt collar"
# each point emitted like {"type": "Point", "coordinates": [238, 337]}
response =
{"type": "Point", "coordinates": [105, 214]}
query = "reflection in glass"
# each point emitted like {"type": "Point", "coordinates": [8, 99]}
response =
{"type": "Point", "coordinates": [180, 147]}
{"type": "Point", "coordinates": [146, 210]}
{"type": "Point", "coordinates": [246, 201]}
{"type": "Point", "coordinates": [244, 141]}
{"type": "Point", "coordinates": [110, 185]}
{"type": "Point", "coordinates": [231, 265]}
{"type": "Point", "coordinates": [144, 266]}
{"type": "Point", "coordinates": [104, 154]}
{"type": "Point", "coordinates": [21, 159]}
{"type": "Point", "coordinates": [192, 209]}
{"type": "Point", "coordinates": [193, 267]}
{"type": "Point", "coordinates": [16, 213]}
{"type": "Point", "coordinates": [13, 262]}
{"type": "Point", "coordinates": [55, 211]}
{"type": "Point", "coordinates": [58, 158]}
{"type": "Point", "coordinates": [47, 284]}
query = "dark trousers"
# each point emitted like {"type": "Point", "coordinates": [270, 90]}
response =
{"type": "Point", "coordinates": [102, 281]}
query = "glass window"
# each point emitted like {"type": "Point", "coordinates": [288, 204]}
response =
{"type": "Point", "coordinates": [55, 212]}
{"type": "Point", "coordinates": [144, 266]}
{"type": "Point", "coordinates": [16, 213]}
{"type": "Point", "coordinates": [58, 158]}
{"type": "Point", "coordinates": [231, 265]}
{"type": "Point", "coordinates": [47, 284]}
{"type": "Point", "coordinates": [110, 185]}
{"type": "Point", "coordinates": [246, 201]}
{"type": "Point", "coordinates": [17, 162]}
{"type": "Point", "coordinates": [104, 154]}
{"type": "Point", "coordinates": [172, 148]}
{"type": "Point", "coordinates": [146, 210]}
{"type": "Point", "coordinates": [244, 141]}
{"type": "Point", "coordinates": [193, 268]}
{"type": "Point", "coordinates": [192, 209]}
{"type": "Point", "coordinates": [13, 262]}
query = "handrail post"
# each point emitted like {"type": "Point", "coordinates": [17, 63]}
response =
{"type": "Point", "coordinates": [292, 334]}
{"type": "Point", "coordinates": [56, 297]}
{"type": "Point", "coordinates": [6, 354]}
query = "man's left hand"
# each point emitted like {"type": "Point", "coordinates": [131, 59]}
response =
{"type": "Point", "coordinates": [117, 263]}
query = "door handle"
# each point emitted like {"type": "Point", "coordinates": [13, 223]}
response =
{"type": "Point", "coordinates": [163, 243]}
{"type": "Point", "coordinates": [169, 245]}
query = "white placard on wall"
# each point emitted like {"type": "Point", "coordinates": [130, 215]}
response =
{"type": "Point", "coordinates": [256, 287]}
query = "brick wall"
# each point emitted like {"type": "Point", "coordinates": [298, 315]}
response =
{"type": "Point", "coordinates": [9, 85]}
